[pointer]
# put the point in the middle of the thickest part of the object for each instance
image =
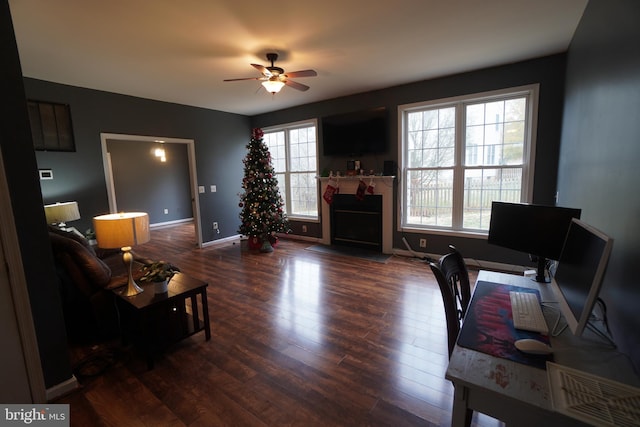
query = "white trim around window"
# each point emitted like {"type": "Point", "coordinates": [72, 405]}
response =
{"type": "Point", "coordinates": [458, 154]}
{"type": "Point", "coordinates": [294, 153]}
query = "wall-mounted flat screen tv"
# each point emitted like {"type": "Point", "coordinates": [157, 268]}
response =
{"type": "Point", "coordinates": [356, 133]}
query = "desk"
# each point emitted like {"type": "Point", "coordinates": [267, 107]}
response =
{"type": "Point", "coordinates": [519, 394]}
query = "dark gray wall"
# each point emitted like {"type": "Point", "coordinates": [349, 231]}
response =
{"type": "Point", "coordinates": [26, 203]}
{"type": "Point", "coordinates": [600, 150]}
{"type": "Point", "coordinates": [547, 71]}
{"type": "Point", "coordinates": [145, 184]}
{"type": "Point", "coordinates": [220, 140]}
{"type": "Point", "coordinates": [597, 166]}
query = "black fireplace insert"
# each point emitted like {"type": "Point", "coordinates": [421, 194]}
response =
{"type": "Point", "coordinates": [357, 223]}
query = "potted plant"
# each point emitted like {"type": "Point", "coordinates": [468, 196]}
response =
{"type": "Point", "coordinates": [90, 235]}
{"type": "Point", "coordinates": [159, 272]}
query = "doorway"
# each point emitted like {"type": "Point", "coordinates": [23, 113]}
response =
{"type": "Point", "coordinates": [193, 187]}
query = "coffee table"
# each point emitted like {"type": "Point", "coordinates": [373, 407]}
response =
{"type": "Point", "coordinates": [155, 321]}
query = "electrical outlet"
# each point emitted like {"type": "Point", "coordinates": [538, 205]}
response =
{"type": "Point", "coordinates": [215, 225]}
{"type": "Point", "coordinates": [304, 228]}
{"type": "Point", "coordinates": [166, 211]}
{"type": "Point", "coordinates": [423, 243]}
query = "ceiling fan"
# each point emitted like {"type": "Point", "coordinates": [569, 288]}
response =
{"type": "Point", "coordinates": [274, 78]}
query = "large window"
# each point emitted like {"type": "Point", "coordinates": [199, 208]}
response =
{"type": "Point", "coordinates": [458, 155]}
{"type": "Point", "coordinates": [294, 156]}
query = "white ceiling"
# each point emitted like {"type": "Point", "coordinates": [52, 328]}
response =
{"type": "Point", "coordinates": [180, 51]}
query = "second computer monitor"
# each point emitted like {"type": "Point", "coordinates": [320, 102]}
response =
{"type": "Point", "coordinates": [580, 272]}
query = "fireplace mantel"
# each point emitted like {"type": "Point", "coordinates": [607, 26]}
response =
{"type": "Point", "coordinates": [384, 186]}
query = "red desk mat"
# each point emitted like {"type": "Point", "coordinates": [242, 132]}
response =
{"type": "Point", "coordinates": [488, 325]}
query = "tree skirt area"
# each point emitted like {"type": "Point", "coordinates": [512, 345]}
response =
{"type": "Point", "coordinates": [352, 252]}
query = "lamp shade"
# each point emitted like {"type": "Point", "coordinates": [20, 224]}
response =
{"type": "Point", "coordinates": [273, 85]}
{"type": "Point", "coordinates": [121, 229]}
{"type": "Point", "coordinates": [61, 212]}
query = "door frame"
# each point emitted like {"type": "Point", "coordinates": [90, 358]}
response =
{"type": "Point", "coordinates": [193, 176]}
{"type": "Point", "coordinates": [18, 333]}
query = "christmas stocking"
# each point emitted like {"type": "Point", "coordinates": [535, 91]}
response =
{"type": "Point", "coordinates": [371, 187]}
{"type": "Point", "coordinates": [332, 188]}
{"type": "Point", "coordinates": [360, 191]}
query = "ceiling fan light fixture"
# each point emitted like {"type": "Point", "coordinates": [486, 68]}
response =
{"type": "Point", "coordinates": [273, 78]}
{"type": "Point", "coordinates": [273, 86]}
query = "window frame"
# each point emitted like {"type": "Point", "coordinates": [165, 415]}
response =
{"type": "Point", "coordinates": [286, 195]}
{"type": "Point", "coordinates": [528, 165]}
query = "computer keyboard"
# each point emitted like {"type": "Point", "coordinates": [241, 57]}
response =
{"type": "Point", "coordinates": [527, 313]}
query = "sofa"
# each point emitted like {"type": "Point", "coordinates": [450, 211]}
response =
{"type": "Point", "coordinates": [86, 276]}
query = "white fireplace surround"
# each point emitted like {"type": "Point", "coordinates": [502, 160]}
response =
{"type": "Point", "coordinates": [348, 185]}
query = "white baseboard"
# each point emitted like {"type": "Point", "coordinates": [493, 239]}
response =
{"type": "Point", "coordinates": [497, 266]}
{"type": "Point", "coordinates": [223, 241]}
{"type": "Point", "coordinates": [239, 237]}
{"type": "Point", "coordinates": [63, 388]}
{"type": "Point", "coordinates": [300, 237]}
{"type": "Point", "coordinates": [165, 224]}
{"type": "Point", "coordinates": [471, 262]}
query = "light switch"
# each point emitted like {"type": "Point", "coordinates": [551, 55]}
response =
{"type": "Point", "coordinates": [201, 189]}
{"type": "Point", "coordinates": [213, 189]}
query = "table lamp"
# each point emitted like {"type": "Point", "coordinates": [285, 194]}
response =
{"type": "Point", "coordinates": [123, 230]}
{"type": "Point", "coordinates": [60, 213]}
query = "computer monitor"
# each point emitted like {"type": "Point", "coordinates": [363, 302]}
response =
{"type": "Point", "coordinates": [537, 230]}
{"type": "Point", "coordinates": [579, 273]}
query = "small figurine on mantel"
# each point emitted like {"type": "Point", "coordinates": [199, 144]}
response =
{"type": "Point", "coordinates": [352, 170]}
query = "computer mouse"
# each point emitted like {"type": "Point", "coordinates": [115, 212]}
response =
{"type": "Point", "coordinates": [531, 346]}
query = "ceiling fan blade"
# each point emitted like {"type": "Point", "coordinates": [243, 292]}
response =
{"type": "Point", "coordinates": [296, 85]}
{"type": "Point", "coordinates": [247, 78]}
{"type": "Point", "coordinates": [302, 73]}
{"type": "Point", "coordinates": [262, 69]}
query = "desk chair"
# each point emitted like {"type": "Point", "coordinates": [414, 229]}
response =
{"type": "Point", "coordinates": [453, 279]}
{"type": "Point", "coordinates": [457, 275]}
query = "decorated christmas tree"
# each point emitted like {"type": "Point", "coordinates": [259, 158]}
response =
{"type": "Point", "coordinates": [262, 214]}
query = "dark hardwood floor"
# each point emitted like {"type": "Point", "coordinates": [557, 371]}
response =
{"type": "Point", "coordinates": [298, 338]}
